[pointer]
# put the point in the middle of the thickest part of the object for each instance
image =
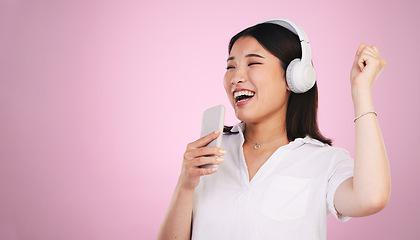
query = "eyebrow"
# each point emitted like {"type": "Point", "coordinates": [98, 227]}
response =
{"type": "Point", "coordinates": [248, 55]}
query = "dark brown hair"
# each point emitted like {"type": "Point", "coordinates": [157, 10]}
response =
{"type": "Point", "coordinates": [302, 108]}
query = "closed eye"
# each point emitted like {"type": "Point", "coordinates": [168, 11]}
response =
{"type": "Point", "coordinates": [254, 63]}
{"type": "Point", "coordinates": [229, 67]}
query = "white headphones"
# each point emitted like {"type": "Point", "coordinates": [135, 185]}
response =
{"type": "Point", "coordinates": [300, 74]}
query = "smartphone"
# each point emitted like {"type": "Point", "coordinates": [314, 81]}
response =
{"type": "Point", "coordinates": [213, 120]}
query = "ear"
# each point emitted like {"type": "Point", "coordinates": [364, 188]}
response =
{"type": "Point", "coordinates": [285, 82]}
{"type": "Point", "coordinates": [287, 85]}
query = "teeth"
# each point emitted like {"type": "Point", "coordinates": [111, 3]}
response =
{"type": "Point", "coordinates": [243, 93]}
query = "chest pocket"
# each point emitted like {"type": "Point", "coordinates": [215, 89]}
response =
{"type": "Point", "coordinates": [286, 198]}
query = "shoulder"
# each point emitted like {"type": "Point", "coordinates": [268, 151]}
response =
{"type": "Point", "coordinates": [317, 148]}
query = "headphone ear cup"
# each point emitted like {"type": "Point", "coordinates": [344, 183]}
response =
{"type": "Point", "coordinates": [300, 77]}
{"type": "Point", "coordinates": [289, 75]}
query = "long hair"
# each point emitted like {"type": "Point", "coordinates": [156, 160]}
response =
{"type": "Point", "coordinates": [302, 108]}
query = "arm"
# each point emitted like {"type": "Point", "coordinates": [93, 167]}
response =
{"type": "Point", "coordinates": [177, 222]}
{"type": "Point", "coordinates": [369, 190]}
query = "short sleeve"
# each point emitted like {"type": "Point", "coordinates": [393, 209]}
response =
{"type": "Point", "coordinates": [340, 170]}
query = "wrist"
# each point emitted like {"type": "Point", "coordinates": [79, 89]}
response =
{"type": "Point", "coordinates": [364, 114]}
{"type": "Point", "coordinates": [361, 92]}
{"type": "Point", "coordinates": [362, 100]}
{"type": "Point", "coordinates": [184, 188]}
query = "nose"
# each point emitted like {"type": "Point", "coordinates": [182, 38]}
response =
{"type": "Point", "coordinates": [239, 76]}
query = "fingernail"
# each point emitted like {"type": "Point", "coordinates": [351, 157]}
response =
{"type": "Point", "coordinates": [220, 159]}
{"type": "Point", "coordinates": [214, 169]}
{"type": "Point", "coordinates": [222, 151]}
{"type": "Point", "coordinates": [216, 132]}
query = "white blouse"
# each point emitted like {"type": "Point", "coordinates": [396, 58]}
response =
{"type": "Point", "coordinates": [288, 198]}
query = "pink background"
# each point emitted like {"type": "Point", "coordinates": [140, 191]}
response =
{"type": "Point", "coordinates": [99, 99]}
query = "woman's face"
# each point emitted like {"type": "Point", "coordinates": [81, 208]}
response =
{"type": "Point", "coordinates": [255, 83]}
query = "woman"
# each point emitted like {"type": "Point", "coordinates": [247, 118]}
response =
{"type": "Point", "coordinates": [280, 177]}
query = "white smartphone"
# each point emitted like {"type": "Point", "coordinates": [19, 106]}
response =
{"type": "Point", "coordinates": [213, 120]}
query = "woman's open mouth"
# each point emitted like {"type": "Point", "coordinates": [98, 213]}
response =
{"type": "Point", "coordinates": [241, 97]}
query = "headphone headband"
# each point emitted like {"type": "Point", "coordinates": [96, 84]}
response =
{"type": "Point", "coordinates": [294, 28]}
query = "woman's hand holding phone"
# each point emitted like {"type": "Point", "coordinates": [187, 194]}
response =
{"type": "Point", "coordinates": [196, 155]}
{"type": "Point", "coordinates": [177, 222]}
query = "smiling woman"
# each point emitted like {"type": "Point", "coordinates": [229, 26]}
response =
{"type": "Point", "coordinates": [301, 117]}
{"type": "Point", "coordinates": [281, 177]}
